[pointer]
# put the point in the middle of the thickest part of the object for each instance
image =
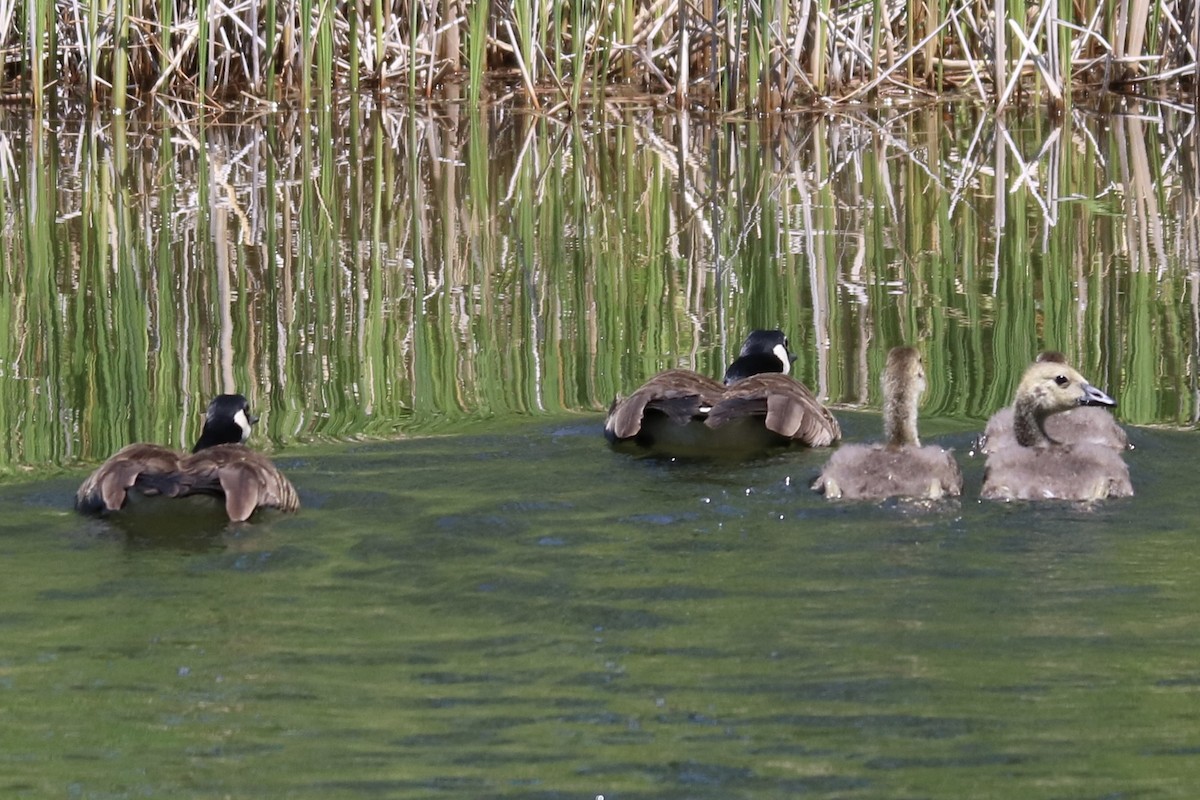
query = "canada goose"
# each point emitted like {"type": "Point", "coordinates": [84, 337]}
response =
{"type": "Point", "coordinates": [684, 413]}
{"type": "Point", "coordinates": [1035, 465]}
{"type": "Point", "coordinates": [1087, 424]}
{"type": "Point", "coordinates": [219, 465]}
{"type": "Point", "coordinates": [763, 353]}
{"type": "Point", "coordinates": [900, 467]}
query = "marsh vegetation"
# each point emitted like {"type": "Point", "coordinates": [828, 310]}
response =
{"type": "Point", "coordinates": [714, 55]}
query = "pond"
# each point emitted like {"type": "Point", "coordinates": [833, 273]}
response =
{"type": "Point", "coordinates": [479, 598]}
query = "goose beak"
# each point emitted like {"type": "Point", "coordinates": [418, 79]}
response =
{"type": "Point", "coordinates": [1094, 397]}
{"type": "Point", "coordinates": [253, 420]}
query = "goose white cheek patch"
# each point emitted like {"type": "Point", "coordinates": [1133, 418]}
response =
{"type": "Point", "coordinates": [784, 357]}
{"type": "Point", "coordinates": [243, 423]}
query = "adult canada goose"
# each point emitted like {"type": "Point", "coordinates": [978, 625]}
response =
{"type": "Point", "coordinates": [900, 467]}
{"type": "Point", "coordinates": [1087, 424]}
{"type": "Point", "coordinates": [218, 465]}
{"type": "Point", "coordinates": [681, 412]}
{"type": "Point", "coordinates": [1036, 466]}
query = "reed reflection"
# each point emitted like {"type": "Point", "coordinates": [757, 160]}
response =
{"type": "Point", "coordinates": [374, 272]}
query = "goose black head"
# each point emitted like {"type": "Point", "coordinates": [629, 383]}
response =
{"type": "Point", "coordinates": [763, 351]}
{"type": "Point", "coordinates": [227, 421]}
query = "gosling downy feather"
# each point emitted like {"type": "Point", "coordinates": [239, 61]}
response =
{"type": "Point", "coordinates": [219, 464]}
{"type": "Point", "coordinates": [901, 467]}
{"type": "Point", "coordinates": [1038, 466]}
{"type": "Point", "coordinates": [1084, 425]}
{"type": "Point", "coordinates": [681, 412]}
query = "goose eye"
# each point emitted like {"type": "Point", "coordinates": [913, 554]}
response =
{"type": "Point", "coordinates": [1062, 380]}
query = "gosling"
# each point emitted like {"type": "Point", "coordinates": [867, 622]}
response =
{"type": "Point", "coordinates": [901, 467]}
{"type": "Point", "coordinates": [1088, 424]}
{"type": "Point", "coordinates": [1037, 466]}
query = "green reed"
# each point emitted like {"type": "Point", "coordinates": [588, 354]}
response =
{"type": "Point", "coordinates": [476, 50]}
{"type": "Point", "coordinates": [37, 15]}
{"type": "Point", "coordinates": [423, 272]}
{"type": "Point", "coordinates": [325, 55]}
{"type": "Point", "coordinates": [120, 55]}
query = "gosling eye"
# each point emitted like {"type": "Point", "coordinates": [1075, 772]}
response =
{"type": "Point", "coordinates": [1062, 380]}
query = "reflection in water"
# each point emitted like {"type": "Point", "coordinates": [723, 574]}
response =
{"type": "Point", "coordinates": [376, 273]}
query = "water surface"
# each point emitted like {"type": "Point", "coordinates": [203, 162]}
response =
{"type": "Point", "coordinates": [479, 599]}
{"type": "Point", "coordinates": [523, 613]}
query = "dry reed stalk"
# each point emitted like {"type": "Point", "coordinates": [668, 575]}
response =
{"type": "Point", "coordinates": [1030, 52]}
{"type": "Point", "coordinates": [773, 55]}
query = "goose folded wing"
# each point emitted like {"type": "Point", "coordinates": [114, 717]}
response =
{"type": "Point", "coordinates": [137, 466]}
{"type": "Point", "coordinates": [788, 407]}
{"type": "Point", "coordinates": [679, 394]}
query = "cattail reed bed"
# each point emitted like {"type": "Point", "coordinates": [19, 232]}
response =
{"type": "Point", "coordinates": [721, 55]}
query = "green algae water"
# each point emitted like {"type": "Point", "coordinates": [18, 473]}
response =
{"type": "Point", "coordinates": [523, 613]}
{"type": "Point", "coordinates": [478, 598]}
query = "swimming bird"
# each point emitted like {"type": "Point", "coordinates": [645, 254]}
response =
{"type": "Point", "coordinates": [900, 467]}
{"type": "Point", "coordinates": [219, 464]}
{"type": "Point", "coordinates": [1087, 424]}
{"type": "Point", "coordinates": [1037, 466]}
{"type": "Point", "coordinates": [681, 412]}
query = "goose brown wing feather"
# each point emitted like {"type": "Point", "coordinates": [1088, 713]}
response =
{"type": "Point", "coordinates": [790, 409]}
{"type": "Point", "coordinates": [246, 477]}
{"type": "Point", "coordinates": [243, 487]}
{"type": "Point", "coordinates": [808, 422]}
{"type": "Point", "coordinates": [680, 394]}
{"type": "Point", "coordinates": [137, 465]}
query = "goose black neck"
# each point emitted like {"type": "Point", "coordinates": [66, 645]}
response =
{"type": "Point", "coordinates": [752, 364]}
{"type": "Point", "coordinates": [218, 432]}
